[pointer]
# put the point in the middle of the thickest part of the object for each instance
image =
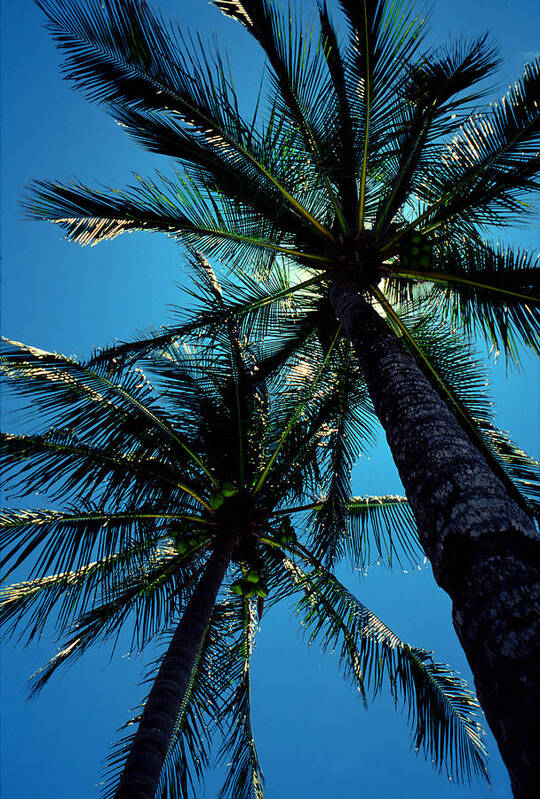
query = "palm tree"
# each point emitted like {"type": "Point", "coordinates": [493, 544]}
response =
{"type": "Point", "coordinates": [175, 508]}
{"type": "Point", "coordinates": [370, 173]}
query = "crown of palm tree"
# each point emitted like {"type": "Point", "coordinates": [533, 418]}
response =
{"type": "Point", "coordinates": [370, 162]}
{"type": "Point", "coordinates": [150, 480]}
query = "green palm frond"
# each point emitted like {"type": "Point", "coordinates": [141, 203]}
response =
{"type": "Point", "coordinates": [144, 603]}
{"type": "Point", "coordinates": [87, 401]}
{"type": "Point", "coordinates": [441, 710]}
{"type": "Point", "coordinates": [344, 138]}
{"type": "Point", "coordinates": [59, 462]}
{"type": "Point", "coordinates": [109, 68]}
{"type": "Point", "coordinates": [67, 540]}
{"type": "Point", "coordinates": [385, 37]}
{"type": "Point", "coordinates": [296, 62]}
{"type": "Point", "coordinates": [68, 595]}
{"type": "Point", "coordinates": [493, 291]}
{"type": "Point", "coordinates": [121, 53]}
{"type": "Point", "coordinates": [244, 779]}
{"type": "Point", "coordinates": [491, 163]}
{"type": "Point", "coordinates": [434, 93]}
{"type": "Point", "coordinates": [349, 433]}
{"type": "Point", "coordinates": [381, 528]}
{"type": "Point", "coordinates": [177, 207]}
{"type": "Point", "coordinates": [261, 304]}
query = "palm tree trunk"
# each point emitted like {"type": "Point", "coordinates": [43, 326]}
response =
{"type": "Point", "coordinates": [483, 547]}
{"type": "Point", "coordinates": [143, 767]}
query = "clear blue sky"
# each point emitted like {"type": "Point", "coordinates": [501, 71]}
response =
{"type": "Point", "coordinates": [314, 738]}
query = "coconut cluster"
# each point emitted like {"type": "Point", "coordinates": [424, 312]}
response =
{"type": "Point", "coordinates": [250, 585]}
{"type": "Point", "coordinates": [185, 544]}
{"type": "Point", "coordinates": [218, 498]}
{"type": "Point", "coordinates": [415, 250]}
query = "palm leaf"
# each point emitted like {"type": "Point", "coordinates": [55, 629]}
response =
{"type": "Point", "coordinates": [144, 603]}
{"type": "Point", "coordinates": [386, 36]}
{"type": "Point", "coordinates": [434, 92]}
{"type": "Point", "coordinates": [441, 710]}
{"type": "Point", "coordinates": [244, 779]}
{"type": "Point", "coordinates": [350, 431]}
{"type": "Point", "coordinates": [491, 163]}
{"type": "Point", "coordinates": [82, 398]}
{"type": "Point", "coordinates": [487, 290]}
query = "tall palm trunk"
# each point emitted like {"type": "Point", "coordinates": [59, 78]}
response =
{"type": "Point", "coordinates": [143, 767]}
{"type": "Point", "coordinates": [483, 547]}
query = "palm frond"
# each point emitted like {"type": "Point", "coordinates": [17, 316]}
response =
{"type": "Point", "coordinates": [493, 291]}
{"type": "Point", "coordinates": [491, 163]}
{"type": "Point", "coordinates": [59, 463]}
{"type": "Point", "coordinates": [433, 95]}
{"type": "Point", "coordinates": [244, 779]}
{"type": "Point", "coordinates": [66, 595]}
{"type": "Point", "coordinates": [144, 603]}
{"type": "Point", "coordinates": [178, 207]}
{"type": "Point", "coordinates": [384, 37]}
{"type": "Point", "coordinates": [87, 401]}
{"type": "Point", "coordinates": [349, 433]}
{"type": "Point", "coordinates": [345, 141]}
{"type": "Point", "coordinates": [441, 710]}
{"type": "Point", "coordinates": [380, 528]}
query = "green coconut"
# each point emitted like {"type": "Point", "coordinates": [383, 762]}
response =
{"type": "Point", "coordinates": [217, 500]}
{"type": "Point", "coordinates": [425, 260]}
{"type": "Point", "coordinates": [228, 489]}
{"type": "Point", "coordinates": [181, 547]}
{"type": "Point", "coordinates": [416, 238]}
{"type": "Point", "coordinates": [253, 576]}
{"type": "Point", "coordinates": [237, 588]}
{"type": "Point", "coordinates": [287, 531]}
{"type": "Point", "coordinates": [262, 591]}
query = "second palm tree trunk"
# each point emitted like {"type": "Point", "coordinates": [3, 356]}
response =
{"type": "Point", "coordinates": [144, 764]}
{"type": "Point", "coordinates": [483, 547]}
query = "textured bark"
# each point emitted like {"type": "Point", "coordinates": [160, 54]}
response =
{"type": "Point", "coordinates": [143, 767]}
{"type": "Point", "coordinates": [483, 547]}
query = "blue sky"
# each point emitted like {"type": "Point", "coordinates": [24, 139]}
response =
{"type": "Point", "coordinates": [315, 739]}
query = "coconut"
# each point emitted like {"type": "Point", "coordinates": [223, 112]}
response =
{"type": "Point", "coordinates": [181, 547]}
{"type": "Point", "coordinates": [228, 489]}
{"type": "Point", "coordinates": [253, 576]}
{"type": "Point", "coordinates": [237, 588]}
{"type": "Point", "coordinates": [217, 500]}
{"type": "Point", "coordinates": [262, 591]}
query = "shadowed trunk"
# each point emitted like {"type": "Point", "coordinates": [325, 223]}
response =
{"type": "Point", "coordinates": [483, 547]}
{"type": "Point", "coordinates": [142, 771]}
